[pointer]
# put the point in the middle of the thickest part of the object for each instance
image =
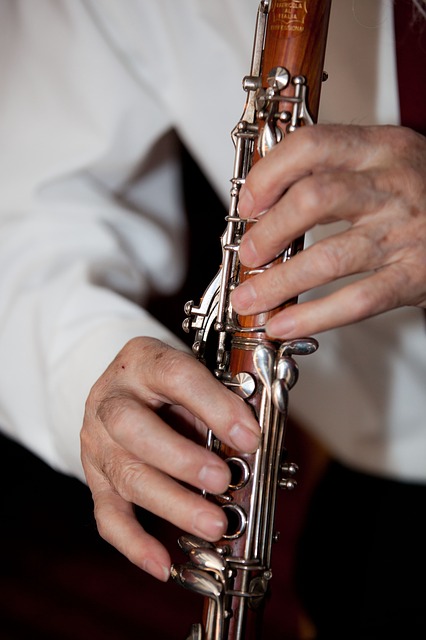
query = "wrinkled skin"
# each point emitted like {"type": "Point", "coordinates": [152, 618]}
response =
{"type": "Point", "coordinates": [374, 178]}
{"type": "Point", "coordinates": [134, 450]}
{"type": "Point", "coordinates": [131, 455]}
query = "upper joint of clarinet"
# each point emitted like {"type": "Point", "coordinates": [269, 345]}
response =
{"type": "Point", "coordinates": [264, 6]}
{"type": "Point", "coordinates": [268, 103]}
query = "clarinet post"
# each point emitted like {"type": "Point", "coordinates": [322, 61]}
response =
{"type": "Point", "coordinates": [234, 575]}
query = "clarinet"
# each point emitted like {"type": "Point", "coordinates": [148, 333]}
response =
{"type": "Point", "coordinates": [233, 575]}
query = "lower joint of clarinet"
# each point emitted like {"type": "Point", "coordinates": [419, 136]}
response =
{"type": "Point", "coordinates": [289, 468]}
{"type": "Point", "coordinates": [258, 589]}
{"type": "Point", "coordinates": [240, 472]}
{"type": "Point", "coordinates": [243, 384]}
{"type": "Point", "coordinates": [288, 471]}
{"type": "Point", "coordinates": [223, 498]}
{"type": "Point", "coordinates": [237, 521]}
{"type": "Point", "coordinates": [287, 484]}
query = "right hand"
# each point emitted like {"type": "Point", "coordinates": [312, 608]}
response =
{"type": "Point", "coordinates": [132, 456]}
{"type": "Point", "coordinates": [371, 178]}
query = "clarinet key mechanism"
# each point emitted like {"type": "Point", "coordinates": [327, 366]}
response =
{"type": "Point", "coordinates": [233, 575]}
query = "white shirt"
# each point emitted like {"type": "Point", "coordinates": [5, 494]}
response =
{"type": "Point", "coordinates": [92, 220]}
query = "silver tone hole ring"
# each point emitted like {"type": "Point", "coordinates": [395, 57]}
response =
{"type": "Point", "coordinates": [240, 472]}
{"type": "Point", "coordinates": [237, 521]}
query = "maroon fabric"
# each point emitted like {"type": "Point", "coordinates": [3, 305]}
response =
{"type": "Point", "coordinates": [410, 38]}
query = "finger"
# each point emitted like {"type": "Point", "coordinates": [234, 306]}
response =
{"type": "Point", "coordinates": [159, 494]}
{"type": "Point", "coordinates": [389, 230]}
{"type": "Point", "coordinates": [319, 198]}
{"type": "Point", "coordinates": [177, 378]}
{"type": "Point", "coordinates": [308, 150]}
{"type": "Point", "coordinates": [371, 296]}
{"type": "Point", "coordinates": [117, 524]}
{"type": "Point", "coordinates": [132, 482]}
{"type": "Point", "coordinates": [140, 431]}
{"type": "Point", "coordinates": [356, 250]}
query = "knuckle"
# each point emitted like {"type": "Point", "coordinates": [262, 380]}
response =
{"type": "Point", "coordinates": [176, 367]}
{"type": "Point", "coordinates": [111, 410]}
{"type": "Point", "coordinates": [131, 475]}
{"type": "Point", "coordinates": [93, 400]}
{"type": "Point", "coordinates": [103, 530]}
{"type": "Point", "coordinates": [368, 300]}
{"type": "Point", "coordinates": [363, 303]}
{"type": "Point", "coordinates": [311, 138]}
{"type": "Point", "coordinates": [267, 236]}
{"type": "Point", "coordinates": [171, 365]}
{"type": "Point", "coordinates": [160, 363]}
{"type": "Point", "coordinates": [309, 194]}
{"type": "Point", "coordinates": [416, 185]}
{"type": "Point", "coordinates": [404, 140]}
{"type": "Point", "coordinates": [104, 511]}
{"type": "Point", "coordinates": [124, 475]}
{"type": "Point", "coordinates": [102, 522]}
{"type": "Point", "coordinates": [86, 437]}
{"type": "Point", "coordinates": [270, 286]}
{"type": "Point", "coordinates": [330, 259]}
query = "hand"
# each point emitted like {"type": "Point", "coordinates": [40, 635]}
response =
{"type": "Point", "coordinates": [374, 178]}
{"type": "Point", "coordinates": [131, 455]}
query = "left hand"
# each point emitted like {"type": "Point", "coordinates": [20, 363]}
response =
{"type": "Point", "coordinates": [374, 178]}
{"type": "Point", "coordinates": [139, 446]}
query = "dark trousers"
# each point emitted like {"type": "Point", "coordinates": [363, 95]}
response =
{"type": "Point", "coordinates": [361, 568]}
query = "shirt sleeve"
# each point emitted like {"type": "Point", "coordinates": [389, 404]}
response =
{"type": "Point", "coordinates": [84, 234]}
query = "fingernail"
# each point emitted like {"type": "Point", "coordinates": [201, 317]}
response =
{"type": "Point", "coordinates": [157, 570]}
{"type": "Point", "coordinates": [213, 479]}
{"type": "Point", "coordinates": [281, 327]}
{"type": "Point", "coordinates": [245, 203]}
{"type": "Point", "coordinates": [243, 297]}
{"type": "Point", "coordinates": [247, 252]}
{"type": "Point", "coordinates": [244, 439]}
{"type": "Point", "coordinates": [208, 525]}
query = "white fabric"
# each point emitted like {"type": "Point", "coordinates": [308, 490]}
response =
{"type": "Point", "coordinates": [91, 216]}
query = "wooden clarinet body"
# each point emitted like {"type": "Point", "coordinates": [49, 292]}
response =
{"type": "Point", "coordinates": [233, 575]}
